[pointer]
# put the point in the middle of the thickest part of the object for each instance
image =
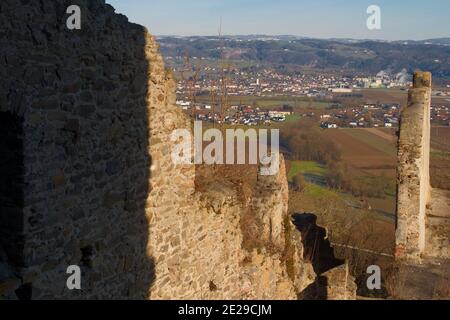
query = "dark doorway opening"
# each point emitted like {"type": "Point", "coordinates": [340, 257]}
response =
{"type": "Point", "coordinates": [11, 189]}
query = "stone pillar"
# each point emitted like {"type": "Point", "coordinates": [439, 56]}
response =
{"type": "Point", "coordinates": [413, 170]}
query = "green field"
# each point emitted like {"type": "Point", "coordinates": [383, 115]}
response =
{"type": "Point", "coordinates": [317, 192]}
{"type": "Point", "coordinates": [306, 168]}
{"type": "Point", "coordinates": [312, 189]}
{"type": "Point", "coordinates": [442, 154]}
{"type": "Point", "coordinates": [293, 118]}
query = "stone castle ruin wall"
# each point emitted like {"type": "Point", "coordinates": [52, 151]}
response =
{"type": "Point", "coordinates": [422, 212]}
{"type": "Point", "coordinates": [414, 175]}
{"type": "Point", "coordinates": [87, 176]}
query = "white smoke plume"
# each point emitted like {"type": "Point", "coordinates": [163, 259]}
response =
{"type": "Point", "coordinates": [403, 76]}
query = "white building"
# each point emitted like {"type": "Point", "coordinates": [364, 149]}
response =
{"type": "Point", "coordinates": [277, 113]}
{"type": "Point", "coordinates": [341, 90]}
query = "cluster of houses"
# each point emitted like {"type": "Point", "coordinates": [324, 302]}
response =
{"type": "Point", "coordinates": [440, 115]}
{"type": "Point", "coordinates": [363, 116]}
{"type": "Point", "coordinates": [243, 115]}
{"type": "Point", "coordinates": [258, 81]}
{"type": "Point", "coordinates": [368, 116]}
{"type": "Point", "coordinates": [263, 81]}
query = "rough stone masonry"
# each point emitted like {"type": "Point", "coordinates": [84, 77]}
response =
{"type": "Point", "coordinates": [413, 174]}
{"type": "Point", "coordinates": [87, 176]}
{"type": "Point", "coordinates": [422, 212]}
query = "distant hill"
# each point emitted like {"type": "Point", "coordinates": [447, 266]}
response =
{"type": "Point", "coordinates": [439, 41]}
{"type": "Point", "coordinates": [360, 56]}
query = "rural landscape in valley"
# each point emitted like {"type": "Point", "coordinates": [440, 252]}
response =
{"type": "Point", "coordinates": [339, 121]}
{"type": "Point", "coordinates": [345, 174]}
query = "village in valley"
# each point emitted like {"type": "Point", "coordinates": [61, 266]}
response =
{"type": "Point", "coordinates": [339, 129]}
{"type": "Point", "coordinates": [263, 97]}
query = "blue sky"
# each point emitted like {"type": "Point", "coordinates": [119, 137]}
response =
{"type": "Point", "coordinates": [401, 19]}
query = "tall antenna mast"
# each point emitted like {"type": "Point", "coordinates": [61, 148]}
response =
{"type": "Point", "coordinates": [223, 75]}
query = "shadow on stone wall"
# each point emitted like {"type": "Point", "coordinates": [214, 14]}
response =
{"type": "Point", "coordinates": [82, 95]}
{"type": "Point", "coordinates": [317, 247]}
{"type": "Point", "coordinates": [11, 193]}
{"type": "Point", "coordinates": [317, 250]}
{"type": "Point", "coordinates": [316, 290]}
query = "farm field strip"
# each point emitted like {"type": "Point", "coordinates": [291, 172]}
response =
{"type": "Point", "coordinates": [373, 140]}
{"type": "Point", "coordinates": [440, 138]}
{"type": "Point", "coordinates": [359, 153]}
{"type": "Point", "coordinates": [383, 133]}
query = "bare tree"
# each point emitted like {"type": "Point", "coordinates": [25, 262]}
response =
{"type": "Point", "coordinates": [225, 68]}
{"type": "Point", "coordinates": [189, 75]}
